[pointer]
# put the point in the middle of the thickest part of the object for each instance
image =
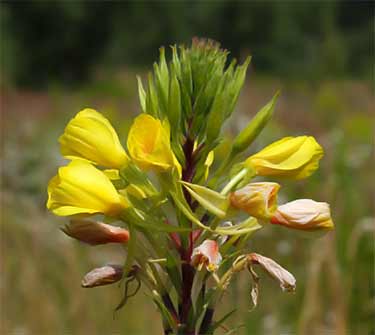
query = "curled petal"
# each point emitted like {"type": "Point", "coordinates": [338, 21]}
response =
{"type": "Point", "coordinates": [276, 271]}
{"type": "Point", "coordinates": [95, 233]}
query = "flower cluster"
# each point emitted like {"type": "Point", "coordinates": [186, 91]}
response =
{"type": "Point", "coordinates": [177, 209]}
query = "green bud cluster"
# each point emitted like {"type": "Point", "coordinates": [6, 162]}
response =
{"type": "Point", "coordinates": [196, 91]}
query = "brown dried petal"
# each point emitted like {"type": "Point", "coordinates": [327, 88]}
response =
{"type": "Point", "coordinates": [105, 275]}
{"type": "Point", "coordinates": [284, 277]}
{"type": "Point", "coordinates": [95, 233]}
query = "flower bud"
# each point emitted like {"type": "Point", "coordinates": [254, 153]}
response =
{"type": "Point", "coordinates": [90, 136]}
{"type": "Point", "coordinates": [95, 233]}
{"type": "Point", "coordinates": [105, 275]}
{"type": "Point", "coordinates": [284, 277]}
{"type": "Point", "coordinates": [207, 254]}
{"type": "Point", "coordinates": [257, 199]}
{"type": "Point", "coordinates": [304, 214]}
{"type": "Point", "coordinates": [290, 157]}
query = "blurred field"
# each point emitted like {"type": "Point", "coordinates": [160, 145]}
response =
{"type": "Point", "coordinates": [41, 269]}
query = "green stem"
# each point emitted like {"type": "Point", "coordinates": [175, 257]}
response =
{"type": "Point", "coordinates": [234, 181]}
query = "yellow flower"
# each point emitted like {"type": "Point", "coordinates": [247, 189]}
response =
{"type": "Point", "coordinates": [80, 188]}
{"type": "Point", "coordinates": [90, 136]}
{"type": "Point", "coordinates": [149, 144]}
{"type": "Point", "coordinates": [290, 157]}
{"type": "Point", "coordinates": [304, 214]}
{"type": "Point", "coordinates": [257, 199]}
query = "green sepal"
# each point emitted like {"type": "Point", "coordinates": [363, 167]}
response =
{"type": "Point", "coordinates": [131, 174]}
{"type": "Point", "coordinates": [149, 222]}
{"type": "Point", "coordinates": [245, 227]}
{"type": "Point", "coordinates": [213, 201]}
{"type": "Point", "coordinates": [185, 209]}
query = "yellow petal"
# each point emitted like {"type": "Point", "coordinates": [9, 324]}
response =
{"type": "Point", "coordinates": [81, 188]}
{"type": "Point", "coordinates": [290, 157]}
{"type": "Point", "coordinates": [149, 144]}
{"type": "Point", "coordinates": [90, 136]}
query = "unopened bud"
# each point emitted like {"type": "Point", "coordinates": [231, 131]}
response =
{"type": "Point", "coordinates": [257, 199]}
{"type": "Point", "coordinates": [276, 271]}
{"type": "Point", "coordinates": [95, 233]}
{"type": "Point", "coordinates": [304, 214]}
{"type": "Point", "coordinates": [105, 275]}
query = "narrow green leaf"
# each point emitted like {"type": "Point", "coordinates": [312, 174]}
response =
{"type": "Point", "coordinates": [167, 316]}
{"type": "Point", "coordinates": [255, 126]}
{"type": "Point", "coordinates": [174, 107]}
{"type": "Point", "coordinates": [218, 323]}
{"type": "Point", "coordinates": [173, 271]}
{"type": "Point", "coordinates": [141, 94]}
{"type": "Point", "coordinates": [152, 103]}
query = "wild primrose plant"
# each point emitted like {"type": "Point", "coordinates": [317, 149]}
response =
{"type": "Point", "coordinates": [184, 225]}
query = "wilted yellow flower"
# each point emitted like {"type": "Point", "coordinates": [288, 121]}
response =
{"type": "Point", "coordinates": [257, 199]}
{"type": "Point", "coordinates": [304, 214]}
{"type": "Point", "coordinates": [81, 188]}
{"type": "Point", "coordinates": [275, 270]}
{"type": "Point", "coordinates": [149, 144]}
{"type": "Point", "coordinates": [207, 254]}
{"type": "Point", "coordinates": [290, 157]}
{"type": "Point", "coordinates": [90, 136]}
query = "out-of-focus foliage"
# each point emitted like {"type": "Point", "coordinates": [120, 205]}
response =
{"type": "Point", "coordinates": [61, 41]}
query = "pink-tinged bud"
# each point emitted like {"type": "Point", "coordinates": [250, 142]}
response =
{"type": "Point", "coordinates": [207, 254]}
{"type": "Point", "coordinates": [105, 275]}
{"type": "Point", "coordinates": [276, 271]}
{"type": "Point", "coordinates": [257, 199]}
{"type": "Point", "coordinates": [95, 233]}
{"type": "Point", "coordinates": [304, 214]}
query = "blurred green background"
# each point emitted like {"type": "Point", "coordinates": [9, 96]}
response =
{"type": "Point", "coordinates": [58, 57]}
